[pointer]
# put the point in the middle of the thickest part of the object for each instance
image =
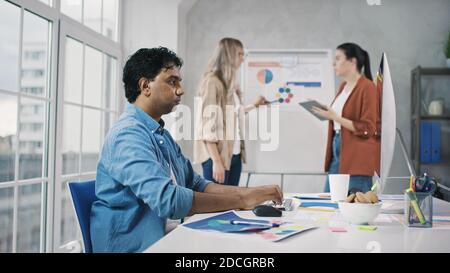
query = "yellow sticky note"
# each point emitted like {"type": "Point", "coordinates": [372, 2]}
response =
{"type": "Point", "coordinates": [317, 219]}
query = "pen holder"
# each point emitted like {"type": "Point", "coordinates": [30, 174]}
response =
{"type": "Point", "coordinates": [419, 209]}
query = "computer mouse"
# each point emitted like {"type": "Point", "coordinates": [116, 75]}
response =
{"type": "Point", "coordinates": [267, 211]}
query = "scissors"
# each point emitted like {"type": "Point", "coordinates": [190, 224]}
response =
{"type": "Point", "coordinates": [425, 183]}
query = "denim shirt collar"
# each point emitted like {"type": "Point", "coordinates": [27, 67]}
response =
{"type": "Point", "coordinates": [153, 125]}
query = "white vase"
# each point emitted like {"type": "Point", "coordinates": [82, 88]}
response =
{"type": "Point", "coordinates": [448, 62]}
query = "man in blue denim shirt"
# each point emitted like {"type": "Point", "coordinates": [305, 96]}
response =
{"type": "Point", "coordinates": [143, 179]}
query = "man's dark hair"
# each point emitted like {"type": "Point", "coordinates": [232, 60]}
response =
{"type": "Point", "coordinates": [147, 63]}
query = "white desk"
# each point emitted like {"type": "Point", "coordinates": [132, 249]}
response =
{"type": "Point", "coordinates": [389, 237]}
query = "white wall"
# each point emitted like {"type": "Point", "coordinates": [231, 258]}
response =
{"type": "Point", "coordinates": [149, 23]}
{"type": "Point", "coordinates": [153, 23]}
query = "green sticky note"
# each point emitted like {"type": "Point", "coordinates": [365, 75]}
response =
{"type": "Point", "coordinates": [367, 228]}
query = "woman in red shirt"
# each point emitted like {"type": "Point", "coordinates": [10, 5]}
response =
{"type": "Point", "coordinates": [353, 145]}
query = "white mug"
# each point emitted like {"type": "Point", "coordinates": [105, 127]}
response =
{"type": "Point", "coordinates": [338, 186]}
{"type": "Point", "coordinates": [436, 107]}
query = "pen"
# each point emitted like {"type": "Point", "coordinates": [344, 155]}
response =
{"type": "Point", "coordinates": [235, 222]}
{"type": "Point", "coordinates": [411, 190]}
{"type": "Point", "coordinates": [375, 185]}
{"type": "Point", "coordinates": [273, 101]}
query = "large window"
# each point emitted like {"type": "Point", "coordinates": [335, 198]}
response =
{"type": "Point", "coordinates": [24, 104]}
{"type": "Point", "coordinates": [56, 105]}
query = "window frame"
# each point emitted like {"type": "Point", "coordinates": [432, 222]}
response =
{"type": "Point", "coordinates": [88, 37]}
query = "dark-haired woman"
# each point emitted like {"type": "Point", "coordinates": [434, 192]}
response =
{"type": "Point", "coordinates": [353, 145]}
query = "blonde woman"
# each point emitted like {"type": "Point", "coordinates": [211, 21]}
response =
{"type": "Point", "coordinates": [219, 143]}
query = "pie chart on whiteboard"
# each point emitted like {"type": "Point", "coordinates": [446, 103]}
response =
{"type": "Point", "coordinates": [265, 76]}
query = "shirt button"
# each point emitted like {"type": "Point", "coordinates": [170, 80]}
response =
{"type": "Point", "coordinates": [161, 142]}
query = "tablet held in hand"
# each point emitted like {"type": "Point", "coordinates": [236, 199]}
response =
{"type": "Point", "coordinates": [310, 104]}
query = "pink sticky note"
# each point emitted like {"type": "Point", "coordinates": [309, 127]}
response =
{"type": "Point", "coordinates": [268, 235]}
{"type": "Point", "coordinates": [337, 229]}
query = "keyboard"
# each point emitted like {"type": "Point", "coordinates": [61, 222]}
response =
{"type": "Point", "coordinates": [287, 204]}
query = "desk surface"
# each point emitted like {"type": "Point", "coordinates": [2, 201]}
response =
{"type": "Point", "coordinates": [389, 237]}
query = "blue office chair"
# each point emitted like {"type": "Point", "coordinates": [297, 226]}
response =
{"type": "Point", "coordinates": [83, 195]}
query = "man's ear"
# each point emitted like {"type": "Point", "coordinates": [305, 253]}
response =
{"type": "Point", "coordinates": [144, 86]}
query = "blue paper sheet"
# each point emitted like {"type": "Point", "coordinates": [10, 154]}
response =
{"type": "Point", "coordinates": [215, 223]}
{"type": "Point", "coordinates": [311, 198]}
{"type": "Point", "coordinates": [318, 204]}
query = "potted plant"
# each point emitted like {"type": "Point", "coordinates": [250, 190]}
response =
{"type": "Point", "coordinates": [447, 50]}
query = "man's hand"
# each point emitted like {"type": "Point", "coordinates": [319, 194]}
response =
{"type": "Point", "coordinates": [254, 196]}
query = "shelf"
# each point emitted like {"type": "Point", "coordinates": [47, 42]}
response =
{"type": "Point", "coordinates": [431, 71]}
{"type": "Point", "coordinates": [444, 117]}
{"type": "Point", "coordinates": [440, 170]}
{"type": "Point", "coordinates": [437, 165]}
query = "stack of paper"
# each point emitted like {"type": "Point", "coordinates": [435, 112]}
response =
{"type": "Point", "coordinates": [224, 223]}
{"type": "Point", "coordinates": [228, 222]}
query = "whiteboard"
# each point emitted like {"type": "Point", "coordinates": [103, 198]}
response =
{"type": "Point", "coordinates": [287, 77]}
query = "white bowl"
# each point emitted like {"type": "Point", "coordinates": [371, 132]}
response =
{"type": "Point", "coordinates": [359, 213]}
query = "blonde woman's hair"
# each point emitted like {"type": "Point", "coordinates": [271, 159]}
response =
{"type": "Point", "coordinates": [223, 62]}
